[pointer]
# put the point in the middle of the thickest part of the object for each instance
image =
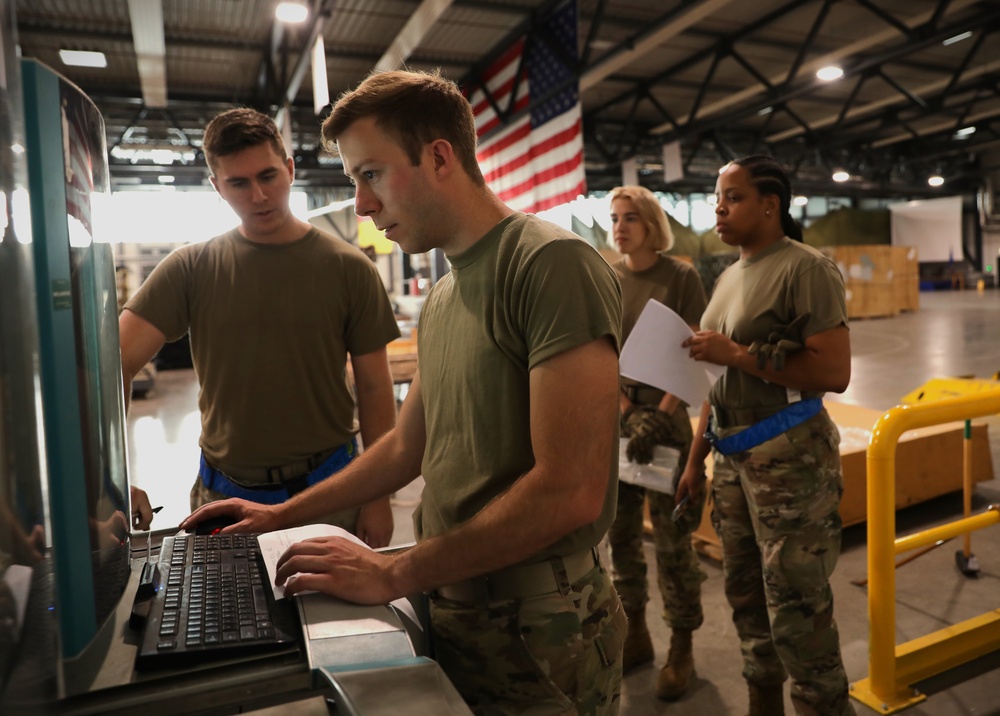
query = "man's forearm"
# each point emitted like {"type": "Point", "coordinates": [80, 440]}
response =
{"type": "Point", "coordinates": [512, 528]}
{"type": "Point", "coordinates": [378, 472]}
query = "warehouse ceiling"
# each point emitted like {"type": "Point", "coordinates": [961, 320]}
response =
{"type": "Point", "coordinates": [714, 78]}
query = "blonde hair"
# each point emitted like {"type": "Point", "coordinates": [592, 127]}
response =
{"type": "Point", "coordinates": [653, 217]}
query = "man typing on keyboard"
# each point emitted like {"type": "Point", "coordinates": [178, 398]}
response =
{"type": "Point", "coordinates": [511, 419]}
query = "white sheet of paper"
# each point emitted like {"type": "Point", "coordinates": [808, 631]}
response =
{"type": "Point", "coordinates": [653, 355]}
{"type": "Point", "coordinates": [273, 545]}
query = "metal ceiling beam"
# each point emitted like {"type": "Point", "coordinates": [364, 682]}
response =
{"type": "Point", "coordinates": [412, 34]}
{"type": "Point", "coordinates": [669, 27]}
{"type": "Point", "coordinates": [853, 49]}
{"type": "Point", "coordinates": [146, 17]}
{"type": "Point", "coordinates": [870, 63]}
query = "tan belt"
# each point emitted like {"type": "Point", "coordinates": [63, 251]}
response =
{"type": "Point", "coordinates": [732, 417]}
{"type": "Point", "coordinates": [520, 582]}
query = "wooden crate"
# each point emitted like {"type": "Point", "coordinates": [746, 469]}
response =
{"type": "Point", "coordinates": [866, 299]}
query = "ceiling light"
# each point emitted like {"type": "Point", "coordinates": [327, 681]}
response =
{"type": "Point", "coordinates": [83, 58]}
{"type": "Point", "coordinates": [800, 200]}
{"type": "Point", "coordinates": [766, 110]}
{"type": "Point", "coordinates": [965, 131]}
{"type": "Point", "coordinates": [17, 148]}
{"type": "Point", "coordinates": [935, 180]}
{"type": "Point", "coordinates": [828, 74]}
{"type": "Point", "coordinates": [958, 38]}
{"type": "Point", "coordinates": [165, 178]}
{"type": "Point", "coordinates": [840, 175]}
{"type": "Point", "coordinates": [291, 12]}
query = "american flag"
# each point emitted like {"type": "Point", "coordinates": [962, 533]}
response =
{"type": "Point", "coordinates": [535, 162]}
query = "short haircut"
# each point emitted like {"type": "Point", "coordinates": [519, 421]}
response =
{"type": "Point", "coordinates": [237, 129]}
{"type": "Point", "coordinates": [652, 215]}
{"type": "Point", "coordinates": [414, 108]}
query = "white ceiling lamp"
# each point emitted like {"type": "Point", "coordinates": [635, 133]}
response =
{"type": "Point", "coordinates": [958, 38]}
{"type": "Point", "coordinates": [291, 12]}
{"type": "Point", "coordinates": [83, 58]}
{"type": "Point", "coordinates": [935, 180]}
{"type": "Point", "coordinates": [829, 73]}
{"type": "Point", "coordinates": [965, 131]}
{"type": "Point", "coordinates": [165, 178]}
{"type": "Point", "coordinates": [840, 176]}
{"type": "Point", "coordinates": [800, 200]}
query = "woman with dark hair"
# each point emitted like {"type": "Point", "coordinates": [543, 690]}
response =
{"type": "Point", "coordinates": [777, 321]}
{"type": "Point", "coordinates": [640, 232]}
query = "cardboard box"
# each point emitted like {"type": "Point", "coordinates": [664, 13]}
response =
{"type": "Point", "coordinates": [928, 465]}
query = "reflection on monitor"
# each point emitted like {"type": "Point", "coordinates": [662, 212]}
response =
{"type": "Point", "coordinates": [84, 567]}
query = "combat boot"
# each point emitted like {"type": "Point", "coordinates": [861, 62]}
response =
{"type": "Point", "coordinates": [766, 700]}
{"type": "Point", "coordinates": [676, 673]}
{"type": "Point", "coordinates": [638, 643]}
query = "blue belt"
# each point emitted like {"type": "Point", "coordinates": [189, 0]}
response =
{"type": "Point", "coordinates": [767, 429]}
{"type": "Point", "coordinates": [275, 494]}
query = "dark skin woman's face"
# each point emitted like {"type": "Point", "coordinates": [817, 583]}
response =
{"type": "Point", "coordinates": [743, 217]}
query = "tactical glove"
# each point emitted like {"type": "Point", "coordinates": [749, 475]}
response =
{"type": "Point", "coordinates": [647, 427]}
{"type": "Point", "coordinates": [780, 342]}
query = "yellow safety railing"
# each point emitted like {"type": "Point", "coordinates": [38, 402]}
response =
{"type": "Point", "coordinates": [892, 668]}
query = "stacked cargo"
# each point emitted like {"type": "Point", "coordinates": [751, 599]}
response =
{"type": "Point", "coordinates": [880, 280]}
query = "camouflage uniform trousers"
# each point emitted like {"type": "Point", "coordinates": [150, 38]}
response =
{"type": "Point", "coordinates": [776, 513]}
{"type": "Point", "coordinates": [201, 495]}
{"type": "Point", "coordinates": [559, 653]}
{"type": "Point", "coordinates": [678, 572]}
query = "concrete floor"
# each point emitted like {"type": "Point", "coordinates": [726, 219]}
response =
{"type": "Point", "coordinates": [953, 334]}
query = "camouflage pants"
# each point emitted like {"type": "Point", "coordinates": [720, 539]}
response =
{"type": "Point", "coordinates": [776, 512]}
{"type": "Point", "coordinates": [554, 654]}
{"type": "Point", "coordinates": [678, 573]}
{"type": "Point", "coordinates": [201, 495]}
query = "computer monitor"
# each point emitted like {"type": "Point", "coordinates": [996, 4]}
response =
{"type": "Point", "coordinates": [82, 564]}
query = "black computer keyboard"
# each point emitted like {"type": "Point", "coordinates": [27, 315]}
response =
{"type": "Point", "coordinates": [214, 601]}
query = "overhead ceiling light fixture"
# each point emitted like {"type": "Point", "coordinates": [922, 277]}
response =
{"type": "Point", "coordinates": [841, 176]}
{"type": "Point", "coordinates": [829, 74]}
{"type": "Point", "coordinates": [165, 178]}
{"type": "Point", "coordinates": [935, 180]}
{"type": "Point", "coordinates": [291, 12]}
{"type": "Point", "coordinates": [766, 110]}
{"type": "Point", "coordinates": [800, 200]}
{"type": "Point", "coordinates": [965, 131]}
{"type": "Point", "coordinates": [958, 38]}
{"type": "Point", "coordinates": [83, 58]}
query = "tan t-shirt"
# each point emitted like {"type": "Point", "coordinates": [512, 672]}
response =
{"type": "Point", "coordinates": [524, 293]}
{"type": "Point", "coordinates": [751, 297]}
{"type": "Point", "coordinates": [271, 327]}
{"type": "Point", "coordinates": [672, 282]}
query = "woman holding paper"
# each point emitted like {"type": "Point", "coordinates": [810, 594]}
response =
{"type": "Point", "coordinates": [651, 417]}
{"type": "Point", "coordinates": [778, 322]}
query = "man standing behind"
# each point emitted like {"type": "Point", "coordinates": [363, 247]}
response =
{"type": "Point", "coordinates": [512, 419]}
{"type": "Point", "coordinates": [273, 308]}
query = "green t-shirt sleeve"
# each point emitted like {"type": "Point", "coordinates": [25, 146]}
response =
{"type": "Point", "coordinates": [820, 293]}
{"type": "Point", "coordinates": [692, 291]}
{"type": "Point", "coordinates": [572, 297]}
{"type": "Point", "coordinates": [371, 322]}
{"type": "Point", "coordinates": [163, 298]}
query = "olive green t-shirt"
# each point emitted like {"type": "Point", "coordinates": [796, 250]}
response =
{"type": "Point", "coordinates": [772, 288]}
{"type": "Point", "coordinates": [270, 328]}
{"type": "Point", "coordinates": [525, 292]}
{"type": "Point", "coordinates": [672, 282]}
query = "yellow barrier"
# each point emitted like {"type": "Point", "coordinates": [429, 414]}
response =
{"type": "Point", "coordinates": [892, 669]}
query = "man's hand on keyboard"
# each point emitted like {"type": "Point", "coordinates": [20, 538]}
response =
{"type": "Point", "coordinates": [247, 516]}
{"type": "Point", "coordinates": [340, 568]}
